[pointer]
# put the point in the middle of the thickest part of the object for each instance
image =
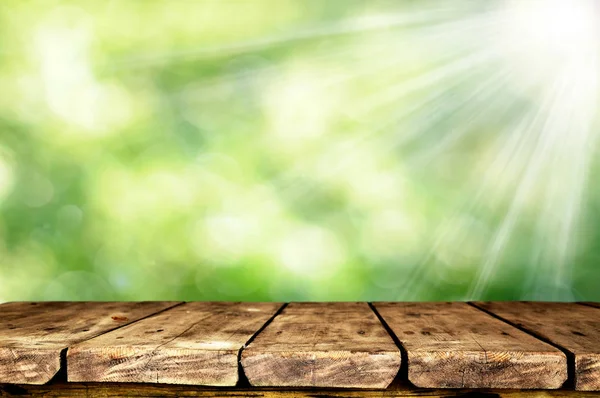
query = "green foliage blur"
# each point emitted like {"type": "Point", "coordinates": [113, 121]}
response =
{"type": "Point", "coordinates": [279, 150]}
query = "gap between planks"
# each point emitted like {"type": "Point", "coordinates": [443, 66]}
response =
{"type": "Point", "coordinates": [323, 345]}
{"type": "Point", "coordinates": [453, 345]}
{"type": "Point", "coordinates": [383, 322]}
{"type": "Point", "coordinates": [197, 343]}
{"type": "Point", "coordinates": [243, 379]}
{"type": "Point", "coordinates": [572, 327]}
{"type": "Point", "coordinates": [570, 382]}
{"type": "Point", "coordinates": [34, 335]}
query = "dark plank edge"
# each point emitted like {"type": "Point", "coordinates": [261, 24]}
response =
{"type": "Point", "coordinates": [55, 356]}
{"type": "Point", "coordinates": [242, 379]}
{"type": "Point", "coordinates": [570, 382]}
{"type": "Point", "coordinates": [402, 375]}
{"type": "Point", "coordinates": [177, 304]}
{"type": "Point", "coordinates": [444, 371]}
{"type": "Point", "coordinates": [61, 375]}
{"type": "Point", "coordinates": [90, 362]}
{"type": "Point", "coordinates": [162, 390]}
{"type": "Point", "coordinates": [287, 366]}
{"type": "Point", "coordinates": [589, 304]}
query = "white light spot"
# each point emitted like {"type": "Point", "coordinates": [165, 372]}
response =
{"type": "Point", "coordinates": [72, 92]}
{"type": "Point", "coordinates": [300, 110]}
{"type": "Point", "coordinates": [543, 36]}
{"type": "Point", "coordinates": [311, 252]}
{"type": "Point", "coordinates": [390, 233]}
{"type": "Point", "coordinates": [222, 238]}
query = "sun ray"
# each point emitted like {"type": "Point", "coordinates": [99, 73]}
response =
{"type": "Point", "coordinates": [546, 135]}
{"type": "Point", "coordinates": [362, 24]}
{"type": "Point", "coordinates": [378, 58]}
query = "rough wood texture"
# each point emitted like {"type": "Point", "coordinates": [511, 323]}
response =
{"type": "Point", "coordinates": [33, 335]}
{"type": "Point", "coordinates": [453, 345]}
{"type": "Point", "coordinates": [573, 327]}
{"type": "Point", "coordinates": [323, 345]}
{"type": "Point", "coordinates": [195, 343]}
{"type": "Point", "coordinates": [106, 390]}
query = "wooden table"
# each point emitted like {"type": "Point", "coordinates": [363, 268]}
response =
{"type": "Point", "coordinates": [499, 349]}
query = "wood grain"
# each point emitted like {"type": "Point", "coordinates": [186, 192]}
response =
{"type": "Point", "coordinates": [195, 343]}
{"type": "Point", "coordinates": [323, 345]}
{"type": "Point", "coordinates": [453, 345]}
{"type": "Point", "coordinates": [33, 335]}
{"type": "Point", "coordinates": [573, 327]}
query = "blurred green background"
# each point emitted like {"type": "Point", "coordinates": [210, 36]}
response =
{"type": "Point", "coordinates": [294, 150]}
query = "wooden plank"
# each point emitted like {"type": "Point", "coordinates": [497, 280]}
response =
{"type": "Point", "coordinates": [453, 345]}
{"type": "Point", "coordinates": [323, 345]}
{"type": "Point", "coordinates": [573, 327]}
{"type": "Point", "coordinates": [106, 390]}
{"type": "Point", "coordinates": [195, 343]}
{"type": "Point", "coordinates": [33, 335]}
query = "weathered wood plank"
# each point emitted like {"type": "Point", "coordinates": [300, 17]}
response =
{"type": "Point", "coordinates": [33, 335]}
{"type": "Point", "coordinates": [107, 390]}
{"type": "Point", "coordinates": [323, 345]}
{"type": "Point", "coordinates": [195, 343]}
{"type": "Point", "coordinates": [573, 327]}
{"type": "Point", "coordinates": [453, 345]}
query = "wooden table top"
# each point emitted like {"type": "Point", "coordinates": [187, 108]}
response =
{"type": "Point", "coordinates": [495, 349]}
